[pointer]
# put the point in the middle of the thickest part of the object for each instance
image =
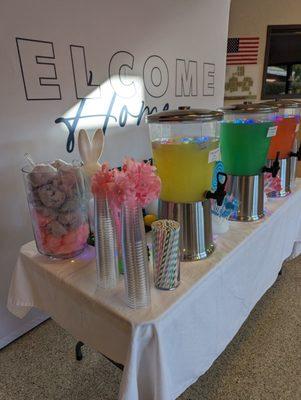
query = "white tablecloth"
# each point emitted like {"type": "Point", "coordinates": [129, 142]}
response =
{"type": "Point", "coordinates": [167, 347]}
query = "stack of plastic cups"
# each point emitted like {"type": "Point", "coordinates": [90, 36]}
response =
{"type": "Point", "coordinates": [166, 254]}
{"type": "Point", "coordinates": [135, 259]}
{"type": "Point", "coordinates": [105, 244]}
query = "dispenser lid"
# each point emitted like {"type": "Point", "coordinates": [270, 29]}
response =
{"type": "Point", "coordinates": [249, 108]}
{"type": "Point", "coordinates": [283, 103]}
{"type": "Point", "coordinates": [185, 114]}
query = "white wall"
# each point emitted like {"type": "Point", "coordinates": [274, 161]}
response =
{"type": "Point", "coordinates": [251, 18]}
{"type": "Point", "coordinates": [172, 29]}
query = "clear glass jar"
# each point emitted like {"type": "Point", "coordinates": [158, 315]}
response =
{"type": "Point", "coordinates": [58, 208]}
{"type": "Point", "coordinates": [245, 137]}
{"type": "Point", "coordinates": [185, 143]}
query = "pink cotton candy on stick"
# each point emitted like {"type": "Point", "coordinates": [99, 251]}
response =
{"type": "Point", "coordinates": [136, 183]}
{"type": "Point", "coordinates": [124, 189]}
{"type": "Point", "coordinates": [105, 182]}
{"type": "Point", "coordinates": [145, 185]}
{"type": "Point", "coordinates": [102, 180]}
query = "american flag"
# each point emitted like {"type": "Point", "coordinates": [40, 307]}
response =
{"type": "Point", "coordinates": [242, 50]}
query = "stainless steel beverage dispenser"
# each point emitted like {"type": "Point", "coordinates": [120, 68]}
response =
{"type": "Point", "coordinates": [245, 136]}
{"type": "Point", "coordinates": [185, 145]}
{"type": "Point", "coordinates": [284, 143]}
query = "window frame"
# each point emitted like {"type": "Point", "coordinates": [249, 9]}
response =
{"type": "Point", "coordinates": [270, 30]}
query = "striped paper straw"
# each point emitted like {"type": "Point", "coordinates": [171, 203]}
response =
{"type": "Point", "coordinates": [166, 253]}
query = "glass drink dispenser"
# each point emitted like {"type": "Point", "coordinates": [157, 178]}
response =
{"type": "Point", "coordinates": [284, 145]}
{"type": "Point", "coordinates": [245, 138]}
{"type": "Point", "coordinates": [185, 146]}
{"type": "Point", "coordinates": [296, 152]}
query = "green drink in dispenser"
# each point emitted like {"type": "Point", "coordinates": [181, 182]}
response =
{"type": "Point", "coordinates": [245, 138]}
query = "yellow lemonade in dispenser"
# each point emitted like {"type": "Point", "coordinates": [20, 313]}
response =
{"type": "Point", "coordinates": [185, 167]}
{"type": "Point", "coordinates": [185, 146]}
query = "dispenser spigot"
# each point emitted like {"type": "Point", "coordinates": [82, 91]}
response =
{"type": "Point", "coordinates": [220, 192]}
{"type": "Point", "coordinates": [274, 169]}
{"type": "Point", "coordinates": [296, 154]}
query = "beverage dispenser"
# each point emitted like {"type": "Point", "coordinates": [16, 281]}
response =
{"type": "Point", "coordinates": [296, 152]}
{"type": "Point", "coordinates": [297, 156]}
{"type": "Point", "coordinates": [245, 137]}
{"type": "Point", "coordinates": [284, 144]}
{"type": "Point", "coordinates": [185, 146]}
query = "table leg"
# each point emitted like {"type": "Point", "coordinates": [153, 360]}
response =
{"type": "Point", "coordinates": [79, 355]}
{"type": "Point", "coordinates": [78, 351]}
{"type": "Point", "coordinates": [120, 366]}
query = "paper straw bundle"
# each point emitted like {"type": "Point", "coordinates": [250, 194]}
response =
{"type": "Point", "coordinates": [166, 253]}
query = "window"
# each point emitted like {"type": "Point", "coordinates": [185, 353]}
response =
{"type": "Point", "coordinates": [282, 67]}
